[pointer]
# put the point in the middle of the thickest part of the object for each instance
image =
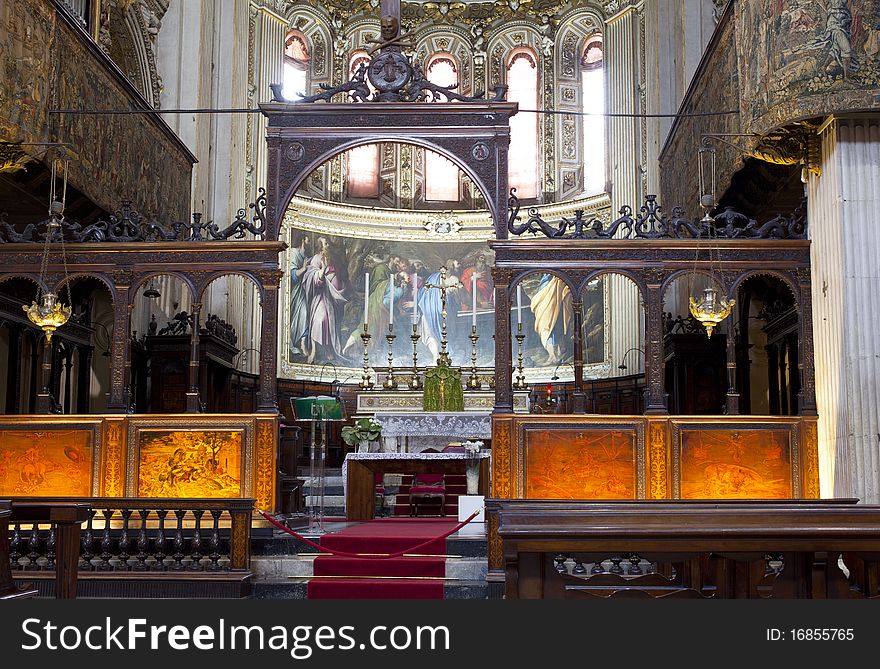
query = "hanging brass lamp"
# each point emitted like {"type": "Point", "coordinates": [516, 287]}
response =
{"type": "Point", "coordinates": [47, 312]}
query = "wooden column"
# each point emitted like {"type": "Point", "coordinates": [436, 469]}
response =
{"type": "Point", "coordinates": [192, 396]}
{"type": "Point", "coordinates": [267, 394]}
{"type": "Point", "coordinates": [13, 371]}
{"type": "Point", "coordinates": [773, 377]}
{"type": "Point", "coordinates": [84, 380]}
{"type": "Point", "coordinates": [782, 373]}
{"type": "Point", "coordinates": [120, 346]}
{"type": "Point", "coordinates": [503, 348]}
{"type": "Point", "coordinates": [68, 372]}
{"type": "Point", "coordinates": [732, 401]}
{"type": "Point", "coordinates": [32, 390]}
{"type": "Point", "coordinates": [44, 397]}
{"type": "Point", "coordinates": [806, 369]}
{"type": "Point", "coordinates": [655, 395]}
{"type": "Point", "coordinates": [578, 398]}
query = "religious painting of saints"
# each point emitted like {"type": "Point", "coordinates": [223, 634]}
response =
{"type": "Point", "coordinates": [335, 282]}
{"type": "Point", "coordinates": [46, 463]}
{"type": "Point", "coordinates": [189, 463]}
{"type": "Point", "coordinates": [543, 313]}
{"type": "Point", "coordinates": [735, 464]}
{"type": "Point", "coordinates": [804, 48]}
{"type": "Point", "coordinates": [580, 464]}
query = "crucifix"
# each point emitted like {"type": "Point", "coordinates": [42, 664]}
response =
{"type": "Point", "coordinates": [443, 287]}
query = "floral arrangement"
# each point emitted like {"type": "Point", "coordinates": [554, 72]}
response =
{"type": "Point", "coordinates": [472, 447]}
{"type": "Point", "coordinates": [364, 429]}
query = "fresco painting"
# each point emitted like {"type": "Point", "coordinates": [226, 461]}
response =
{"type": "Point", "coordinates": [735, 464]}
{"type": "Point", "coordinates": [55, 463]}
{"type": "Point", "coordinates": [190, 463]}
{"type": "Point", "coordinates": [327, 294]}
{"type": "Point", "coordinates": [580, 464]}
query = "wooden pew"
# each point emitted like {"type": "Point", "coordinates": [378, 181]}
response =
{"type": "Point", "coordinates": [701, 549]}
{"type": "Point", "coordinates": [67, 518]}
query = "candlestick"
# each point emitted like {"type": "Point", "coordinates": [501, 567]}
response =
{"type": "Point", "coordinates": [473, 382]}
{"type": "Point", "coordinates": [391, 306]}
{"type": "Point", "coordinates": [520, 382]}
{"type": "Point", "coordinates": [474, 300]}
{"type": "Point", "coordinates": [518, 305]}
{"type": "Point", "coordinates": [366, 381]}
{"type": "Point", "coordinates": [415, 285]}
{"type": "Point", "coordinates": [415, 383]}
{"type": "Point", "coordinates": [390, 381]}
{"type": "Point", "coordinates": [366, 299]}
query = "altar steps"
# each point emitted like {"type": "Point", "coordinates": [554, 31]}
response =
{"type": "Point", "coordinates": [276, 557]}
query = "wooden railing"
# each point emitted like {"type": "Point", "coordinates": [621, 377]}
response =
{"type": "Point", "coordinates": [134, 536]}
{"type": "Point", "coordinates": [735, 549]}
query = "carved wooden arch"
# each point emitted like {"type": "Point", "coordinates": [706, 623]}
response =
{"type": "Point", "coordinates": [632, 276]}
{"type": "Point", "coordinates": [27, 277]}
{"type": "Point", "coordinates": [101, 278]}
{"type": "Point", "coordinates": [211, 278]}
{"type": "Point", "coordinates": [678, 274]}
{"type": "Point", "coordinates": [140, 278]}
{"type": "Point", "coordinates": [788, 280]}
{"type": "Point", "coordinates": [473, 135]}
{"type": "Point", "coordinates": [563, 276]}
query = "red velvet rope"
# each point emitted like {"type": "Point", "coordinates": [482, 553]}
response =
{"type": "Point", "coordinates": [362, 555]}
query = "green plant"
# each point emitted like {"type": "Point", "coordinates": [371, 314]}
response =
{"type": "Point", "coordinates": [364, 429]}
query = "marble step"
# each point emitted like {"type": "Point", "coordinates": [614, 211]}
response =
{"type": "Point", "coordinates": [277, 567]}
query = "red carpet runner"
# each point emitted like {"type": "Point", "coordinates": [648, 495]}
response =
{"type": "Point", "coordinates": [386, 535]}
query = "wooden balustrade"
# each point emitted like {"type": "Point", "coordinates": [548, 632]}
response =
{"type": "Point", "coordinates": [150, 538]}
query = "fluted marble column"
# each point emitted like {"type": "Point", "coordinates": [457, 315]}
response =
{"type": "Point", "coordinates": [267, 31]}
{"type": "Point", "coordinates": [622, 49]}
{"type": "Point", "coordinates": [844, 219]}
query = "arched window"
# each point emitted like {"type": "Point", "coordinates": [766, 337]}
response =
{"type": "Point", "coordinates": [363, 162]}
{"type": "Point", "coordinates": [441, 174]}
{"type": "Point", "coordinates": [296, 66]}
{"type": "Point", "coordinates": [522, 87]}
{"type": "Point", "coordinates": [593, 91]}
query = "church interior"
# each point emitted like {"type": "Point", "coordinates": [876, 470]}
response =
{"type": "Point", "coordinates": [386, 299]}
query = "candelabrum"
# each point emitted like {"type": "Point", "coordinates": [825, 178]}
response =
{"type": "Point", "coordinates": [366, 381]}
{"type": "Point", "coordinates": [473, 382]}
{"type": "Point", "coordinates": [415, 383]}
{"type": "Point", "coordinates": [520, 379]}
{"type": "Point", "coordinates": [390, 380]}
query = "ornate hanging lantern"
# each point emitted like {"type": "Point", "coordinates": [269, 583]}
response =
{"type": "Point", "coordinates": [47, 312]}
{"type": "Point", "coordinates": [711, 309]}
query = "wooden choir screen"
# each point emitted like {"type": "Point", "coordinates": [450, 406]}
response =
{"type": "Point", "coordinates": [648, 457]}
{"type": "Point", "coordinates": [156, 456]}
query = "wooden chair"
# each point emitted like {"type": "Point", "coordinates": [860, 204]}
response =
{"type": "Point", "coordinates": [427, 490]}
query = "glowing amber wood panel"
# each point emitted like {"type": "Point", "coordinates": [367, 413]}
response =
{"type": "Point", "coordinates": [190, 463]}
{"type": "Point", "coordinates": [55, 463]}
{"type": "Point", "coordinates": [580, 464]}
{"type": "Point", "coordinates": [736, 464]}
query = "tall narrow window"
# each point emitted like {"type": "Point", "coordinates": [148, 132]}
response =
{"type": "Point", "coordinates": [296, 66]}
{"type": "Point", "coordinates": [363, 162]}
{"type": "Point", "coordinates": [441, 174]}
{"type": "Point", "coordinates": [593, 89]}
{"type": "Point", "coordinates": [522, 87]}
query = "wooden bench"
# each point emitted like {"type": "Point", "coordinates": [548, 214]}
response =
{"type": "Point", "coordinates": [693, 549]}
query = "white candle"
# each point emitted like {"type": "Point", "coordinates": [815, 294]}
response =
{"type": "Point", "coordinates": [474, 300]}
{"type": "Point", "coordinates": [366, 296]}
{"type": "Point", "coordinates": [391, 307]}
{"type": "Point", "coordinates": [415, 314]}
{"type": "Point", "coordinates": [519, 305]}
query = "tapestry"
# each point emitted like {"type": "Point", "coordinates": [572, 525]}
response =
{"type": "Point", "coordinates": [735, 464]}
{"type": "Point", "coordinates": [802, 58]}
{"type": "Point", "coordinates": [41, 463]}
{"type": "Point", "coordinates": [189, 463]}
{"type": "Point", "coordinates": [580, 464]}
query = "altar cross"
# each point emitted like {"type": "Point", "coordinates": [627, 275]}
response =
{"type": "Point", "coordinates": [443, 287]}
